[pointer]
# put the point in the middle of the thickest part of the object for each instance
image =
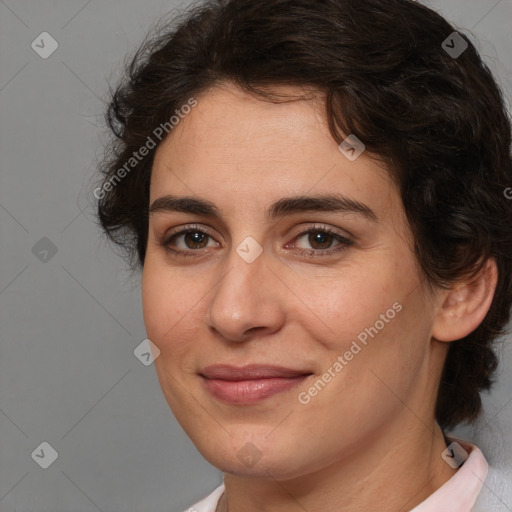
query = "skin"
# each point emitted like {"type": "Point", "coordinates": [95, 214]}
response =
{"type": "Point", "coordinates": [368, 440]}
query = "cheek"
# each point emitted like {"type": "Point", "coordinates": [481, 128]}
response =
{"type": "Point", "coordinates": [374, 317]}
{"type": "Point", "coordinates": [345, 305]}
{"type": "Point", "coordinates": [152, 299]}
{"type": "Point", "coordinates": [160, 304]}
{"type": "Point", "coordinates": [171, 305]}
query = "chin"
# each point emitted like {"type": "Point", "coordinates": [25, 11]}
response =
{"type": "Point", "coordinates": [256, 457]}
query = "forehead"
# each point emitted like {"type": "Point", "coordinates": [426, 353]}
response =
{"type": "Point", "coordinates": [230, 121]}
{"type": "Point", "coordinates": [233, 143]}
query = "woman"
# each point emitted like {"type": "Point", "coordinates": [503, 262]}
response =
{"type": "Point", "coordinates": [315, 193]}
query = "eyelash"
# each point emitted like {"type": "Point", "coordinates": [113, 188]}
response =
{"type": "Point", "coordinates": [343, 245]}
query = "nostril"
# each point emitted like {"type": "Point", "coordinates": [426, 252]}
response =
{"type": "Point", "coordinates": [251, 330]}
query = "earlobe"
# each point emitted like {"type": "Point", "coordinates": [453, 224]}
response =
{"type": "Point", "coordinates": [463, 307]}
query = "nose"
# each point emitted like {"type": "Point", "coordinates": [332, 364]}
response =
{"type": "Point", "coordinates": [247, 301]}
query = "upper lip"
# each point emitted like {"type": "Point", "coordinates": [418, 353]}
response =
{"type": "Point", "coordinates": [249, 372]}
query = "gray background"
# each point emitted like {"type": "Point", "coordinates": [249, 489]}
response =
{"type": "Point", "coordinates": [70, 324]}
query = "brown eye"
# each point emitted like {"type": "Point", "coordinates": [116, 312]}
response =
{"type": "Point", "coordinates": [320, 239]}
{"type": "Point", "coordinates": [195, 239]}
{"type": "Point", "coordinates": [186, 242]}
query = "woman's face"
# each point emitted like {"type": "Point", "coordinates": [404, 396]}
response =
{"type": "Point", "coordinates": [344, 311]}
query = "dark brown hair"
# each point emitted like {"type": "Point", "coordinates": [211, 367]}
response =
{"type": "Point", "coordinates": [437, 120]}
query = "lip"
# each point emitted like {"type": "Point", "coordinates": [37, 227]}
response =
{"type": "Point", "coordinates": [249, 384]}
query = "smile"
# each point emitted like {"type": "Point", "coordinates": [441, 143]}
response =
{"type": "Point", "coordinates": [249, 384]}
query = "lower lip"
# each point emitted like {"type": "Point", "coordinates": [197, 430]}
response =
{"type": "Point", "coordinates": [250, 391]}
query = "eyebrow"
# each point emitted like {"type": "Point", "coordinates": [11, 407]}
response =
{"type": "Point", "coordinates": [281, 208]}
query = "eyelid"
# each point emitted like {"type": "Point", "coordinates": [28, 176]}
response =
{"type": "Point", "coordinates": [165, 239]}
{"type": "Point", "coordinates": [315, 226]}
{"type": "Point", "coordinates": [344, 242]}
{"type": "Point", "coordinates": [300, 231]}
{"type": "Point", "coordinates": [187, 227]}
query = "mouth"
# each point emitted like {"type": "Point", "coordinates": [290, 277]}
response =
{"type": "Point", "coordinates": [250, 384]}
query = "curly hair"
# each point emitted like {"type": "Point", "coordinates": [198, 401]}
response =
{"type": "Point", "coordinates": [438, 121]}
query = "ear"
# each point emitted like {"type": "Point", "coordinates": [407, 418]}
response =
{"type": "Point", "coordinates": [463, 307]}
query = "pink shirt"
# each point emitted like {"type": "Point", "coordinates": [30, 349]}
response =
{"type": "Point", "coordinates": [459, 494]}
